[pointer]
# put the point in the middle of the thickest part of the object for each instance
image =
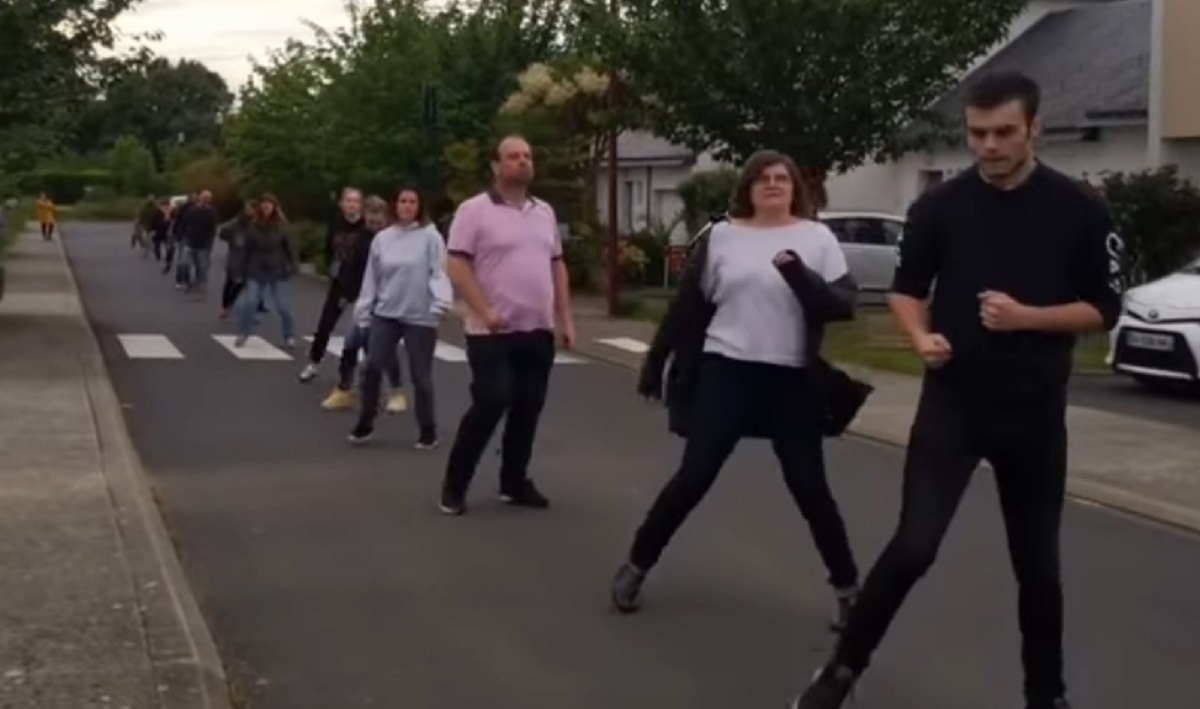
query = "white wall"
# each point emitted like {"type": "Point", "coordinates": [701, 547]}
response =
{"type": "Point", "coordinates": [652, 200]}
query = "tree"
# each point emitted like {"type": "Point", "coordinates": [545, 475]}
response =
{"type": "Point", "coordinates": [1157, 215]}
{"type": "Point", "coordinates": [160, 103]}
{"type": "Point", "coordinates": [132, 167]}
{"type": "Point", "coordinates": [832, 83]}
{"type": "Point", "coordinates": [50, 61]}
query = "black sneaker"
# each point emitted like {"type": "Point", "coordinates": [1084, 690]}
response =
{"type": "Point", "coordinates": [845, 601]}
{"type": "Point", "coordinates": [626, 590]}
{"type": "Point", "coordinates": [526, 495]}
{"type": "Point", "coordinates": [427, 441]}
{"type": "Point", "coordinates": [452, 503]}
{"type": "Point", "coordinates": [361, 434]}
{"type": "Point", "coordinates": [829, 690]}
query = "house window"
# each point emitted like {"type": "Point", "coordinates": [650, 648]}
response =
{"type": "Point", "coordinates": [633, 204]}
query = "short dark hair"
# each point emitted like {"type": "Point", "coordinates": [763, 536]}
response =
{"type": "Point", "coordinates": [511, 136]}
{"type": "Point", "coordinates": [743, 208]}
{"type": "Point", "coordinates": [998, 88]}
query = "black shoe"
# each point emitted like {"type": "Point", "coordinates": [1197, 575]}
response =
{"type": "Point", "coordinates": [626, 590]}
{"type": "Point", "coordinates": [526, 495]}
{"type": "Point", "coordinates": [829, 690]}
{"type": "Point", "coordinates": [361, 434]}
{"type": "Point", "coordinates": [1060, 703]}
{"type": "Point", "coordinates": [452, 503]}
{"type": "Point", "coordinates": [845, 601]}
{"type": "Point", "coordinates": [428, 440]}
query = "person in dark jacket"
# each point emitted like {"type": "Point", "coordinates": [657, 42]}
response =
{"type": "Point", "coordinates": [158, 226]}
{"type": "Point", "coordinates": [265, 262]}
{"type": "Point", "coordinates": [343, 244]}
{"type": "Point", "coordinates": [233, 233]}
{"type": "Point", "coordinates": [199, 234]}
{"type": "Point", "coordinates": [745, 332]}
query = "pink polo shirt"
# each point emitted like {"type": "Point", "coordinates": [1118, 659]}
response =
{"type": "Point", "coordinates": [512, 250]}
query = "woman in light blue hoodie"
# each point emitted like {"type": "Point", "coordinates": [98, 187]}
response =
{"type": "Point", "coordinates": [405, 292]}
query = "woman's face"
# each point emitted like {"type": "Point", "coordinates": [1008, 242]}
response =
{"type": "Point", "coordinates": [266, 209]}
{"type": "Point", "coordinates": [376, 221]}
{"type": "Point", "coordinates": [407, 205]}
{"type": "Point", "coordinates": [772, 190]}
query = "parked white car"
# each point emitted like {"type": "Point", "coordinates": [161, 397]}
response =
{"type": "Point", "coordinates": [1157, 338]}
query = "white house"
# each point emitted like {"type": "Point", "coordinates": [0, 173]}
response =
{"type": "Point", "coordinates": [1117, 97]}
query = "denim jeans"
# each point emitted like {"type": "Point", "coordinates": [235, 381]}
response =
{"type": "Point", "coordinates": [253, 294]}
{"type": "Point", "coordinates": [420, 343]}
{"type": "Point", "coordinates": [355, 342]}
{"type": "Point", "coordinates": [199, 260]}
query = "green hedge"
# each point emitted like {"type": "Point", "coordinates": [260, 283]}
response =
{"type": "Point", "coordinates": [14, 223]}
{"type": "Point", "coordinates": [309, 239]}
{"type": "Point", "coordinates": [63, 186]}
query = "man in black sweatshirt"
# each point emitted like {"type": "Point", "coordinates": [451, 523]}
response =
{"type": "Point", "coordinates": [345, 232]}
{"type": "Point", "coordinates": [1024, 260]}
{"type": "Point", "coordinates": [199, 234]}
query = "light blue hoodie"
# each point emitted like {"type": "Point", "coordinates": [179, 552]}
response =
{"type": "Point", "coordinates": [406, 277]}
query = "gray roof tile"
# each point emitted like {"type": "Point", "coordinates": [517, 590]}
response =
{"type": "Point", "coordinates": [1090, 61]}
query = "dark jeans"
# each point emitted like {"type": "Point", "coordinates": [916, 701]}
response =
{"type": "Point", "coordinates": [1027, 447]}
{"type": "Point", "coordinates": [199, 261]}
{"type": "Point", "coordinates": [732, 397]}
{"type": "Point", "coordinates": [509, 375]}
{"type": "Point", "coordinates": [158, 245]}
{"type": "Point", "coordinates": [356, 341]}
{"type": "Point", "coordinates": [331, 312]}
{"type": "Point", "coordinates": [230, 291]}
{"type": "Point", "coordinates": [419, 343]}
{"type": "Point", "coordinates": [47, 230]}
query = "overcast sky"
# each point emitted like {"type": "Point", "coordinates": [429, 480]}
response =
{"type": "Point", "coordinates": [224, 33]}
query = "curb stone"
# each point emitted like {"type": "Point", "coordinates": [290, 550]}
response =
{"type": "Point", "coordinates": [1078, 487]}
{"type": "Point", "coordinates": [183, 657]}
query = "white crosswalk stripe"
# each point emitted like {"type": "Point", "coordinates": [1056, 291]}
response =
{"type": "Point", "coordinates": [149, 347]}
{"type": "Point", "coordinates": [255, 348]}
{"type": "Point", "coordinates": [625, 343]}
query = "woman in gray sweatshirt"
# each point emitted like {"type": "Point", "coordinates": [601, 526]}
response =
{"type": "Point", "coordinates": [404, 294]}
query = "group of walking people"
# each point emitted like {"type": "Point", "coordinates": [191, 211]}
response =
{"type": "Point", "coordinates": [1023, 262]}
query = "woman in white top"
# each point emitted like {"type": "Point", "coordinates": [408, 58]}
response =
{"type": "Point", "coordinates": [744, 331]}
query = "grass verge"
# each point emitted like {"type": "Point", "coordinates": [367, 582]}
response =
{"type": "Point", "coordinates": [14, 223]}
{"type": "Point", "coordinates": [873, 340]}
{"type": "Point", "coordinates": [117, 209]}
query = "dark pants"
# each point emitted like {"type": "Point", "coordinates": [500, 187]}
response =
{"type": "Point", "coordinates": [731, 398]}
{"type": "Point", "coordinates": [355, 342]}
{"type": "Point", "coordinates": [47, 230]}
{"type": "Point", "coordinates": [158, 244]}
{"type": "Point", "coordinates": [1027, 447]}
{"type": "Point", "coordinates": [419, 342]}
{"type": "Point", "coordinates": [230, 291]}
{"type": "Point", "coordinates": [331, 312]}
{"type": "Point", "coordinates": [509, 375]}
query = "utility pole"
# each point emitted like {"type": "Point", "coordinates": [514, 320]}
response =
{"type": "Point", "coordinates": [614, 240]}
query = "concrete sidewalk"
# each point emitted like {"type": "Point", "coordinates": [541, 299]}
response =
{"type": "Point", "coordinates": [94, 608]}
{"type": "Point", "coordinates": [1147, 468]}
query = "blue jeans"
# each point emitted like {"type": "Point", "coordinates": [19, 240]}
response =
{"type": "Point", "coordinates": [255, 293]}
{"type": "Point", "coordinates": [183, 265]}
{"type": "Point", "coordinates": [356, 342]}
{"type": "Point", "coordinates": [200, 260]}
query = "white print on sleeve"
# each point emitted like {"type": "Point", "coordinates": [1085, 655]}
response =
{"type": "Point", "coordinates": [1116, 250]}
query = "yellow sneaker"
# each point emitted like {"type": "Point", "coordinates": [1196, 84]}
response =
{"type": "Point", "coordinates": [338, 400]}
{"type": "Point", "coordinates": [397, 403]}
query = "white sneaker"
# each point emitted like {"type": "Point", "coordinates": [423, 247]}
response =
{"type": "Point", "coordinates": [309, 373]}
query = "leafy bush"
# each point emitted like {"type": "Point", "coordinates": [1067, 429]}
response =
{"type": "Point", "coordinates": [131, 165]}
{"type": "Point", "coordinates": [14, 219]}
{"type": "Point", "coordinates": [583, 254]}
{"type": "Point", "coordinates": [217, 175]}
{"type": "Point", "coordinates": [309, 240]}
{"type": "Point", "coordinates": [64, 186]}
{"type": "Point", "coordinates": [106, 206]}
{"type": "Point", "coordinates": [1157, 215]}
{"type": "Point", "coordinates": [705, 194]}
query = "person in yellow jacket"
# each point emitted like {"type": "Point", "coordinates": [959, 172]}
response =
{"type": "Point", "coordinates": [46, 215]}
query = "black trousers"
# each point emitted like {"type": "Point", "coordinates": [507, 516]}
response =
{"type": "Point", "coordinates": [731, 398]}
{"type": "Point", "coordinates": [230, 291]}
{"type": "Point", "coordinates": [1027, 447]}
{"type": "Point", "coordinates": [510, 374]}
{"type": "Point", "coordinates": [331, 312]}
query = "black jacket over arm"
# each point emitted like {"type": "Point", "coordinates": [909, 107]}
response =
{"type": "Point", "coordinates": [680, 340]}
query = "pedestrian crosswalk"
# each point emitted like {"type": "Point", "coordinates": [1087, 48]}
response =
{"type": "Point", "coordinates": [151, 346]}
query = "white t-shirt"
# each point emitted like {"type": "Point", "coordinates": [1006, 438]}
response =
{"type": "Point", "coordinates": [758, 318]}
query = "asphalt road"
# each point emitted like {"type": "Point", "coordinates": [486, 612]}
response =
{"type": "Point", "coordinates": [1122, 395]}
{"type": "Point", "coordinates": [331, 581]}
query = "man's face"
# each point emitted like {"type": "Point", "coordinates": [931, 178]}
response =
{"type": "Point", "coordinates": [514, 163]}
{"type": "Point", "coordinates": [351, 204]}
{"type": "Point", "coordinates": [206, 197]}
{"type": "Point", "coordinates": [1001, 138]}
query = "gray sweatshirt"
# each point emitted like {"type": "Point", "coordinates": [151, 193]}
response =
{"type": "Point", "coordinates": [406, 277]}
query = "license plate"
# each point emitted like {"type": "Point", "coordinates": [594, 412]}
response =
{"type": "Point", "coordinates": [1147, 341]}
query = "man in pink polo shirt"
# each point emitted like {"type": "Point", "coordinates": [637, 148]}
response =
{"type": "Point", "coordinates": [505, 259]}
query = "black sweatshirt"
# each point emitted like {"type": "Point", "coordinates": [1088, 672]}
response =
{"type": "Point", "coordinates": [1047, 242]}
